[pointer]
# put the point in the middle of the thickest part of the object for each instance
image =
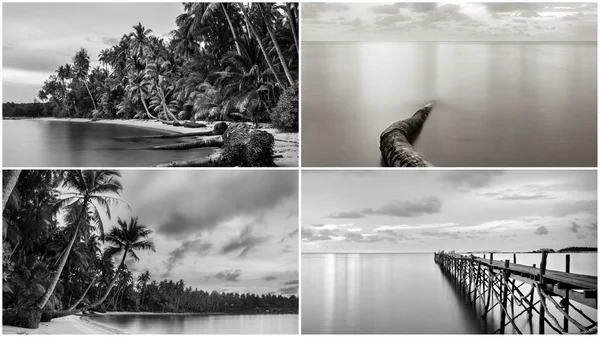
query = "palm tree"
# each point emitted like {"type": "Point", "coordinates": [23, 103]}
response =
{"type": "Point", "coordinates": [125, 239]}
{"type": "Point", "coordinates": [260, 43]}
{"type": "Point", "coordinates": [210, 10]}
{"type": "Point", "coordinates": [81, 60]}
{"type": "Point", "coordinates": [267, 20]}
{"type": "Point", "coordinates": [88, 192]}
{"type": "Point", "coordinates": [143, 280]}
{"type": "Point", "coordinates": [137, 90]}
{"type": "Point", "coordinates": [139, 39]}
{"type": "Point", "coordinates": [9, 180]}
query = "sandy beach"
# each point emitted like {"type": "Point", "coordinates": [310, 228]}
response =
{"type": "Point", "coordinates": [286, 143]}
{"type": "Point", "coordinates": [70, 325]}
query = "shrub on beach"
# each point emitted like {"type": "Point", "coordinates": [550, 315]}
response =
{"type": "Point", "coordinates": [285, 114]}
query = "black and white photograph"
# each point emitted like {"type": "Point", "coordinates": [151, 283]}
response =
{"type": "Point", "coordinates": [449, 84]}
{"type": "Point", "coordinates": [449, 252]}
{"type": "Point", "coordinates": [150, 252]}
{"type": "Point", "coordinates": [119, 84]}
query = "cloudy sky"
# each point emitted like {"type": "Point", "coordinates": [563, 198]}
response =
{"type": "Point", "coordinates": [425, 210]}
{"type": "Point", "coordinates": [449, 21]}
{"type": "Point", "coordinates": [226, 230]}
{"type": "Point", "coordinates": [39, 37]}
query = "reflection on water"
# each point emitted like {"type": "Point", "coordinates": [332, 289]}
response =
{"type": "Point", "coordinates": [401, 293]}
{"type": "Point", "coordinates": [36, 143]}
{"type": "Point", "coordinates": [196, 324]}
{"type": "Point", "coordinates": [499, 104]}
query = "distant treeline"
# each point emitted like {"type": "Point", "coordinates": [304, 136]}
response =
{"type": "Point", "coordinates": [28, 110]}
{"type": "Point", "coordinates": [568, 250]}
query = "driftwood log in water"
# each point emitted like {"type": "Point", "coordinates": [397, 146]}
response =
{"type": "Point", "coordinates": [218, 129]}
{"type": "Point", "coordinates": [395, 143]}
{"type": "Point", "coordinates": [241, 147]}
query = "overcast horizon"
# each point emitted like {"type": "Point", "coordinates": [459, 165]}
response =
{"type": "Point", "coordinates": [449, 21]}
{"type": "Point", "coordinates": [227, 230]}
{"type": "Point", "coordinates": [37, 38]}
{"type": "Point", "coordinates": [426, 211]}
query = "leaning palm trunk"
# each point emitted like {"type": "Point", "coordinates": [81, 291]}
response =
{"type": "Point", "coordinates": [63, 260]}
{"type": "Point", "coordinates": [89, 92]}
{"type": "Point", "coordinates": [275, 43]}
{"type": "Point", "coordinates": [74, 305]}
{"type": "Point", "coordinates": [146, 108]}
{"type": "Point", "coordinates": [168, 112]}
{"type": "Point", "coordinates": [9, 180]}
{"type": "Point", "coordinates": [262, 47]}
{"type": "Point", "coordinates": [235, 38]}
{"type": "Point", "coordinates": [292, 24]}
{"type": "Point", "coordinates": [395, 143]}
{"type": "Point", "coordinates": [110, 285]}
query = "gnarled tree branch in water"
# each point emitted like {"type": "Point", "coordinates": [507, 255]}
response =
{"type": "Point", "coordinates": [395, 143]}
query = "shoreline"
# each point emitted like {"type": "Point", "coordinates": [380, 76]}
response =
{"type": "Point", "coordinates": [85, 325]}
{"type": "Point", "coordinates": [286, 143]}
{"type": "Point", "coordinates": [69, 325]}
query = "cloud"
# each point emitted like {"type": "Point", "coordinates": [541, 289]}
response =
{"type": "Point", "coordinates": [541, 231]}
{"type": "Point", "coordinates": [289, 290]}
{"type": "Point", "coordinates": [109, 41]}
{"type": "Point", "coordinates": [356, 23]}
{"type": "Point", "coordinates": [386, 8]}
{"type": "Point", "coordinates": [269, 278]}
{"type": "Point", "coordinates": [593, 226]}
{"type": "Point", "coordinates": [290, 235]}
{"type": "Point", "coordinates": [308, 235]}
{"type": "Point", "coordinates": [314, 10]}
{"type": "Point", "coordinates": [246, 241]}
{"type": "Point", "coordinates": [574, 227]}
{"type": "Point", "coordinates": [471, 179]}
{"type": "Point", "coordinates": [512, 194]}
{"type": "Point", "coordinates": [196, 247]}
{"type": "Point", "coordinates": [396, 208]}
{"type": "Point", "coordinates": [422, 7]}
{"type": "Point", "coordinates": [231, 275]}
{"type": "Point", "coordinates": [346, 215]}
{"type": "Point", "coordinates": [391, 19]}
{"type": "Point", "coordinates": [232, 195]}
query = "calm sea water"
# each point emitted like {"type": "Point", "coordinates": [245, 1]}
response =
{"type": "Point", "coordinates": [192, 324]}
{"type": "Point", "coordinates": [498, 104]}
{"type": "Point", "coordinates": [401, 293]}
{"type": "Point", "coordinates": [36, 143]}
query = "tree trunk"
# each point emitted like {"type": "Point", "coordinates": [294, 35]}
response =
{"type": "Point", "coordinates": [146, 108]}
{"type": "Point", "coordinates": [213, 142]}
{"type": "Point", "coordinates": [235, 38]}
{"type": "Point", "coordinates": [9, 180]}
{"type": "Point", "coordinates": [218, 129]}
{"type": "Point", "coordinates": [292, 24]}
{"type": "Point", "coordinates": [395, 143]}
{"type": "Point", "coordinates": [63, 260]}
{"type": "Point", "coordinates": [89, 92]}
{"type": "Point", "coordinates": [262, 47]}
{"type": "Point", "coordinates": [110, 285]}
{"type": "Point", "coordinates": [275, 43]}
{"type": "Point", "coordinates": [164, 103]}
{"type": "Point", "coordinates": [74, 305]}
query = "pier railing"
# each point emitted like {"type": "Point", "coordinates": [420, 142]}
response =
{"type": "Point", "coordinates": [486, 280]}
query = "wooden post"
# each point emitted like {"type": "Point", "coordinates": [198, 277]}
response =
{"type": "Point", "coordinates": [504, 297]}
{"type": "Point", "coordinates": [567, 270]}
{"type": "Point", "coordinates": [530, 310]}
{"type": "Point", "coordinates": [542, 300]}
{"type": "Point", "coordinates": [514, 258]}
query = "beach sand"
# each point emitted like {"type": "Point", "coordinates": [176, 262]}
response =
{"type": "Point", "coordinates": [286, 143]}
{"type": "Point", "coordinates": [70, 325]}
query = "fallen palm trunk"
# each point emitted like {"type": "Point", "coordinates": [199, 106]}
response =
{"type": "Point", "coordinates": [241, 147]}
{"type": "Point", "coordinates": [395, 143]}
{"type": "Point", "coordinates": [213, 142]}
{"type": "Point", "coordinates": [218, 129]}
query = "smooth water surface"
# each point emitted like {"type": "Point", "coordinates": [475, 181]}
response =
{"type": "Point", "coordinates": [400, 294]}
{"type": "Point", "coordinates": [498, 104]}
{"type": "Point", "coordinates": [200, 324]}
{"type": "Point", "coordinates": [42, 143]}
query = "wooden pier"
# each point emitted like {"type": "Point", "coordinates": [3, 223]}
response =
{"type": "Point", "coordinates": [503, 284]}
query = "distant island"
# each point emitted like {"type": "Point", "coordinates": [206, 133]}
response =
{"type": "Point", "coordinates": [549, 250]}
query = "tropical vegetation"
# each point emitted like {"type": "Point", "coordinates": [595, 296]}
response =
{"type": "Point", "coordinates": [59, 257]}
{"type": "Point", "coordinates": [223, 62]}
